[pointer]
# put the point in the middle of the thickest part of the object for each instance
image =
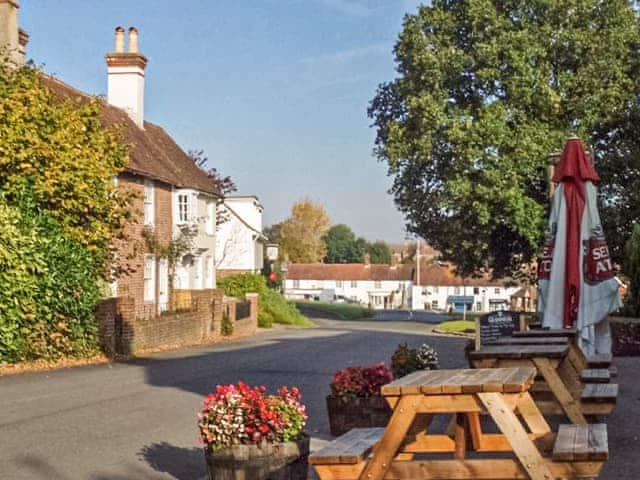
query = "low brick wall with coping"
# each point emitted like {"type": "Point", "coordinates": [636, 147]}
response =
{"type": "Point", "coordinates": [196, 317]}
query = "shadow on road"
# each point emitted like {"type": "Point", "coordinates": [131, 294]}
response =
{"type": "Point", "coordinates": [180, 463]}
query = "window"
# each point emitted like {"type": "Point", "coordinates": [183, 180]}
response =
{"type": "Point", "coordinates": [476, 291]}
{"type": "Point", "coordinates": [354, 284]}
{"type": "Point", "coordinates": [497, 290]}
{"type": "Point", "coordinates": [456, 291]}
{"type": "Point", "coordinates": [478, 307]}
{"type": "Point", "coordinates": [377, 284]}
{"type": "Point", "coordinates": [338, 283]}
{"type": "Point", "coordinates": [149, 208]}
{"type": "Point", "coordinates": [296, 284]}
{"type": "Point", "coordinates": [434, 304]}
{"type": "Point", "coordinates": [149, 278]}
{"type": "Point", "coordinates": [211, 218]}
{"type": "Point", "coordinates": [183, 208]}
{"type": "Point", "coordinates": [435, 289]}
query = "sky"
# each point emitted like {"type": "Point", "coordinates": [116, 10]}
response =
{"type": "Point", "coordinates": [274, 91]}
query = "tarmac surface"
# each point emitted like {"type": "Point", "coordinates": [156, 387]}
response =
{"type": "Point", "coordinates": [137, 419]}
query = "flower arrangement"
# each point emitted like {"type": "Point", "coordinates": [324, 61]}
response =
{"type": "Point", "coordinates": [406, 360]}
{"type": "Point", "coordinates": [240, 415]}
{"type": "Point", "coordinates": [353, 382]}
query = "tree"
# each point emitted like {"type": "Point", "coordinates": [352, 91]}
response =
{"type": "Point", "coordinates": [59, 154]}
{"type": "Point", "coordinates": [632, 269]}
{"type": "Point", "coordinates": [224, 185]}
{"type": "Point", "coordinates": [486, 90]}
{"type": "Point", "coordinates": [272, 232]}
{"type": "Point", "coordinates": [302, 233]}
{"type": "Point", "coordinates": [379, 252]}
{"type": "Point", "coordinates": [342, 246]}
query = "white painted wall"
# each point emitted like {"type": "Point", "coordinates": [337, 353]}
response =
{"type": "Point", "coordinates": [238, 242]}
{"type": "Point", "coordinates": [365, 292]}
{"type": "Point", "coordinates": [485, 298]}
{"type": "Point", "coordinates": [196, 270]}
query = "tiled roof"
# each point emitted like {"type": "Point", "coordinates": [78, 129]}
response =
{"type": "Point", "coordinates": [348, 271]}
{"type": "Point", "coordinates": [436, 274]}
{"type": "Point", "coordinates": [153, 153]}
{"type": "Point", "coordinates": [431, 274]}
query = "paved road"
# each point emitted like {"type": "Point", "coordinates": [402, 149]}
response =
{"type": "Point", "coordinates": [412, 316]}
{"type": "Point", "coordinates": [136, 420]}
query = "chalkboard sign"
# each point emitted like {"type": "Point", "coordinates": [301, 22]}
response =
{"type": "Point", "coordinates": [498, 324]}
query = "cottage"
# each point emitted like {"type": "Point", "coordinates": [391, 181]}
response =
{"type": "Point", "coordinates": [437, 287]}
{"type": "Point", "coordinates": [173, 193]}
{"type": "Point", "coordinates": [377, 286]}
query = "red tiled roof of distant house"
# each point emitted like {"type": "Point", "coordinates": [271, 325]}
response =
{"type": "Point", "coordinates": [349, 271]}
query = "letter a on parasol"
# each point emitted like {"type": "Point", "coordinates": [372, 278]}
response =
{"type": "Point", "coordinates": [576, 282]}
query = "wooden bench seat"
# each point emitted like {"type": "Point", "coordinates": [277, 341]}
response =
{"type": "Point", "coordinates": [600, 393]}
{"type": "Point", "coordinates": [595, 375]}
{"type": "Point", "coordinates": [350, 448]}
{"type": "Point", "coordinates": [581, 443]}
{"type": "Point", "coordinates": [600, 360]}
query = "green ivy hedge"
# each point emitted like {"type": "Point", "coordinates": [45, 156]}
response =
{"type": "Point", "coordinates": [48, 288]}
{"type": "Point", "coordinates": [273, 308]}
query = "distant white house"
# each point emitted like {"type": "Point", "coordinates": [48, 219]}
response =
{"type": "Point", "coordinates": [377, 286]}
{"type": "Point", "coordinates": [239, 239]}
{"type": "Point", "coordinates": [438, 288]}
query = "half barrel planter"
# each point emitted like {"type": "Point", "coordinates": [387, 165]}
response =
{"type": "Point", "coordinates": [361, 412]}
{"type": "Point", "coordinates": [267, 461]}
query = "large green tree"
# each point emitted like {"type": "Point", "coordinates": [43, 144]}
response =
{"type": "Point", "coordinates": [342, 245]}
{"type": "Point", "coordinates": [485, 91]}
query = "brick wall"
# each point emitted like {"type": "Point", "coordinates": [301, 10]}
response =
{"type": "Point", "coordinates": [132, 251]}
{"type": "Point", "coordinates": [123, 331]}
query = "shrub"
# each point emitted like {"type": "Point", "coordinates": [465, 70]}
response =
{"type": "Point", "coordinates": [226, 329]}
{"type": "Point", "coordinates": [406, 360]}
{"type": "Point", "coordinates": [239, 414]}
{"type": "Point", "coordinates": [48, 288]}
{"type": "Point", "coordinates": [354, 382]}
{"type": "Point", "coordinates": [272, 306]}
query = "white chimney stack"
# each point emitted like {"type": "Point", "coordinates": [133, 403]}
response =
{"type": "Point", "coordinates": [125, 76]}
{"type": "Point", "coordinates": [13, 40]}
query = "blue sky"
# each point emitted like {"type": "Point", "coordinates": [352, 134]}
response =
{"type": "Point", "coordinates": [274, 91]}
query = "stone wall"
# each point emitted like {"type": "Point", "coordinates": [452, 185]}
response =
{"type": "Point", "coordinates": [198, 320]}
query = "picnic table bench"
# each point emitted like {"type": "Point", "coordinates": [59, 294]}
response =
{"type": "Point", "coordinates": [560, 389]}
{"type": "Point", "coordinates": [403, 450]}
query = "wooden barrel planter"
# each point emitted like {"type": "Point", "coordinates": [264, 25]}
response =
{"type": "Point", "coordinates": [267, 461]}
{"type": "Point", "coordinates": [362, 412]}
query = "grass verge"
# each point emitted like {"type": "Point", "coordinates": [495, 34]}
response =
{"type": "Point", "coordinates": [343, 311]}
{"type": "Point", "coordinates": [456, 327]}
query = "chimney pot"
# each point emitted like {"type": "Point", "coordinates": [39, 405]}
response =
{"type": "Point", "coordinates": [133, 40]}
{"type": "Point", "coordinates": [119, 40]}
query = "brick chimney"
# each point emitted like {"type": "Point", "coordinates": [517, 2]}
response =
{"type": "Point", "coordinates": [13, 40]}
{"type": "Point", "coordinates": [125, 76]}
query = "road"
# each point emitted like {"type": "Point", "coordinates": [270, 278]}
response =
{"type": "Point", "coordinates": [409, 315]}
{"type": "Point", "coordinates": [137, 419]}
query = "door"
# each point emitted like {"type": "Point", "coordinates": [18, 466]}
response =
{"type": "Point", "coordinates": [163, 285]}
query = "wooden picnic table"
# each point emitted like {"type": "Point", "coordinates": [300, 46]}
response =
{"type": "Point", "coordinates": [397, 452]}
{"type": "Point", "coordinates": [561, 389]}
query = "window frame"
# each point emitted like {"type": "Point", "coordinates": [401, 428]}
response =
{"type": "Point", "coordinates": [354, 284]}
{"type": "Point", "coordinates": [149, 278]}
{"type": "Point", "coordinates": [149, 202]}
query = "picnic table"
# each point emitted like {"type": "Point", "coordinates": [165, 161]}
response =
{"type": "Point", "coordinates": [561, 389]}
{"type": "Point", "coordinates": [398, 451]}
